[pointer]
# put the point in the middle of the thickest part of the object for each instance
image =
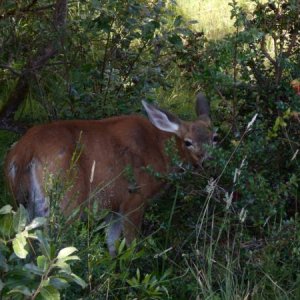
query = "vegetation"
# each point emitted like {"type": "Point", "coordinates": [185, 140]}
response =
{"type": "Point", "coordinates": [228, 232]}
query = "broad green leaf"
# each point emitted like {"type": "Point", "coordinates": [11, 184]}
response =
{"type": "Point", "coordinates": [175, 40]}
{"type": "Point", "coordinates": [37, 222]}
{"type": "Point", "coordinates": [63, 266]}
{"type": "Point", "coordinates": [78, 280]}
{"type": "Point", "coordinates": [44, 245]}
{"type": "Point", "coordinates": [42, 262]}
{"type": "Point", "coordinates": [34, 269]}
{"type": "Point", "coordinates": [6, 224]}
{"type": "Point", "coordinates": [20, 219]}
{"type": "Point", "coordinates": [49, 293]}
{"type": "Point", "coordinates": [20, 289]}
{"type": "Point", "coordinates": [58, 282]}
{"type": "Point", "coordinates": [72, 257]}
{"type": "Point", "coordinates": [3, 262]}
{"type": "Point", "coordinates": [19, 243]}
{"type": "Point", "coordinates": [66, 252]}
{"type": "Point", "coordinates": [6, 209]}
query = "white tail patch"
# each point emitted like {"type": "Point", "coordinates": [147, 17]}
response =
{"type": "Point", "coordinates": [12, 171]}
{"type": "Point", "coordinates": [38, 205]}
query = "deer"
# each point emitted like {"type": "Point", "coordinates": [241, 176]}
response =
{"type": "Point", "coordinates": [107, 147]}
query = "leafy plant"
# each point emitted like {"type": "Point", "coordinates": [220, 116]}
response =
{"type": "Point", "coordinates": [30, 266]}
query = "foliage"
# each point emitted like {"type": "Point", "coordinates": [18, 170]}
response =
{"type": "Point", "coordinates": [115, 54]}
{"type": "Point", "coordinates": [30, 266]}
{"type": "Point", "coordinates": [228, 232]}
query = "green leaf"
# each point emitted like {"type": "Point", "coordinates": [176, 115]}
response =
{"type": "Point", "coordinates": [50, 293]}
{"type": "Point", "coordinates": [66, 252]}
{"type": "Point", "coordinates": [121, 246]}
{"type": "Point", "coordinates": [7, 209]}
{"type": "Point", "coordinates": [178, 21]}
{"type": "Point", "coordinates": [175, 40]}
{"type": "Point", "coordinates": [33, 269]}
{"type": "Point", "coordinates": [6, 223]}
{"type": "Point", "coordinates": [37, 222]}
{"type": "Point", "coordinates": [78, 280]}
{"type": "Point", "coordinates": [63, 266]}
{"type": "Point", "coordinates": [20, 219]}
{"type": "Point", "coordinates": [59, 282]}
{"type": "Point", "coordinates": [20, 289]}
{"type": "Point", "coordinates": [44, 245]}
{"type": "Point", "coordinates": [19, 243]}
{"type": "Point", "coordinates": [42, 262]}
{"type": "Point", "coordinates": [3, 262]}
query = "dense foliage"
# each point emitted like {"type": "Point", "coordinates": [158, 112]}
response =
{"type": "Point", "coordinates": [230, 232]}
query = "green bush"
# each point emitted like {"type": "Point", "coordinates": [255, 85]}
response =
{"type": "Point", "coordinates": [30, 265]}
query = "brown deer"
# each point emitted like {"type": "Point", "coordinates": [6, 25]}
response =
{"type": "Point", "coordinates": [107, 148]}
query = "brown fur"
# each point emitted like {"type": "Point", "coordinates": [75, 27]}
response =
{"type": "Point", "coordinates": [114, 144]}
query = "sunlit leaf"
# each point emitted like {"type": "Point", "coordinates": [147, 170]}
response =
{"type": "Point", "coordinates": [42, 262]}
{"type": "Point", "coordinates": [19, 243]}
{"type": "Point", "coordinates": [66, 252]}
{"type": "Point", "coordinates": [37, 222]}
{"type": "Point", "coordinates": [7, 209]}
{"type": "Point", "coordinates": [20, 219]}
{"type": "Point", "coordinates": [50, 293]}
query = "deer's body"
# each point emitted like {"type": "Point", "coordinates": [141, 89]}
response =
{"type": "Point", "coordinates": [96, 157]}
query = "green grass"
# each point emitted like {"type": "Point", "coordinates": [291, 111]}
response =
{"type": "Point", "coordinates": [213, 16]}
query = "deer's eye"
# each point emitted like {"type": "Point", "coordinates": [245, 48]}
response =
{"type": "Point", "coordinates": [188, 143]}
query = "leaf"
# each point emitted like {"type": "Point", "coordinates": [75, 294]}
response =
{"type": "Point", "coordinates": [175, 40]}
{"type": "Point", "coordinates": [3, 262]}
{"type": "Point", "coordinates": [63, 266]}
{"type": "Point", "coordinates": [78, 280]}
{"type": "Point", "coordinates": [50, 292]}
{"type": "Point", "coordinates": [6, 223]}
{"type": "Point", "coordinates": [6, 209]}
{"type": "Point", "coordinates": [178, 21]}
{"type": "Point", "coordinates": [20, 289]}
{"type": "Point", "coordinates": [72, 257]}
{"type": "Point", "coordinates": [42, 262]}
{"type": "Point", "coordinates": [33, 269]}
{"type": "Point", "coordinates": [66, 252]}
{"type": "Point", "coordinates": [59, 282]}
{"type": "Point", "coordinates": [37, 222]}
{"type": "Point", "coordinates": [20, 219]}
{"type": "Point", "coordinates": [1, 285]}
{"type": "Point", "coordinates": [44, 245]}
{"type": "Point", "coordinates": [19, 243]}
{"type": "Point", "coordinates": [121, 246]}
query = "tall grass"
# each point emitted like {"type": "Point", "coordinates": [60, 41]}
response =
{"type": "Point", "coordinates": [213, 16]}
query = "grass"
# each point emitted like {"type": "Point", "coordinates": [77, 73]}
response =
{"type": "Point", "coordinates": [213, 17]}
{"type": "Point", "coordinates": [200, 248]}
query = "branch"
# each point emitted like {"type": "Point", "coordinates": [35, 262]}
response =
{"type": "Point", "coordinates": [15, 10]}
{"type": "Point", "coordinates": [18, 95]}
{"type": "Point", "coordinates": [12, 70]}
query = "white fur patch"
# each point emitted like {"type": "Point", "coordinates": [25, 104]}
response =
{"type": "Point", "coordinates": [37, 200]}
{"type": "Point", "coordinates": [113, 233]}
{"type": "Point", "coordinates": [12, 171]}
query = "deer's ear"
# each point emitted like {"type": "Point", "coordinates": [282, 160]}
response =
{"type": "Point", "coordinates": [161, 119]}
{"type": "Point", "coordinates": [202, 105]}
